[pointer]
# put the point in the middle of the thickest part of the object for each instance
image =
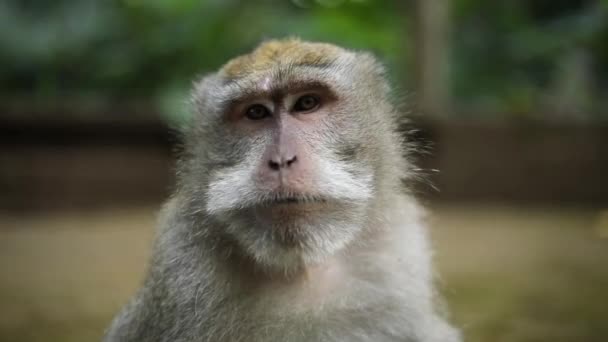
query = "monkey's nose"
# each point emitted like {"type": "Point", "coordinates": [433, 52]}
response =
{"type": "Point", "coordinates": [281, 162]}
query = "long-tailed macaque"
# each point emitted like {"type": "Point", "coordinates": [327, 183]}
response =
{"type": "Point", "coordinates": [289, 221]}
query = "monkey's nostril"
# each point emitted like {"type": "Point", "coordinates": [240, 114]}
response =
{"type": "Point", "coordinates": [291, 161]}
{"type": "Point", "coordinates": [273, 165]}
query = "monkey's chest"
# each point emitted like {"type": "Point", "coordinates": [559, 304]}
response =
{"type": "Point", "coordinates": [350, 316]}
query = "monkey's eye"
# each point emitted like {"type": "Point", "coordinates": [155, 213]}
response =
{"type": "Point", "coordinates": [306, 103]}
{"type": "Point", "coordinates": [257, 112]}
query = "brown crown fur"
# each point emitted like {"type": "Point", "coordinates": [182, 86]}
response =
{"type": "Point", "coordinates": [283, 52]}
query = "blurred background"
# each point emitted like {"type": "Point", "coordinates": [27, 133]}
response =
{"type": "Point", "coordinates": [510, 97]}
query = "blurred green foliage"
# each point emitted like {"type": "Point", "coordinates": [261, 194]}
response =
{"type": "Point", "coordinates": [511, 55]}
{"type": "Point", "coordinates": [507, 56]}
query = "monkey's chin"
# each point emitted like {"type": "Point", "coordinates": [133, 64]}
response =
{"type": "Point", "coordinates": [284, 212]}
{"type": "Point", "coordinates": [286, 236]}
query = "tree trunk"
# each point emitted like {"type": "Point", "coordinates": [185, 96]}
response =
{"type": "Point", "coordinates": [432, 57]}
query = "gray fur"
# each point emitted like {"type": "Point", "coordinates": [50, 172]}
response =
{"type": "Point", "coordinates": [359, 271]}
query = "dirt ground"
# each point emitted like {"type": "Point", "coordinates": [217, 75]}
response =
{"type": "Point", "coordinates": [508, 274]}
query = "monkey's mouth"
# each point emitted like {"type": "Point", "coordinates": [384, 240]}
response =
{"type": "Point", "coordinates": [287, 200]}
{"type": "Point", "coordinates": [292, 200]}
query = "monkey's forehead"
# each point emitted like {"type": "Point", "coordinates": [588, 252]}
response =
{"type": "Point", "coordinates": [281, 52]}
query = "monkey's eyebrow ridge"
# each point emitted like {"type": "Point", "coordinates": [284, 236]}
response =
{"type": "Point", "coordinates": [276, 92]}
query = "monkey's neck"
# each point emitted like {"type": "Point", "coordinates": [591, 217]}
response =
{"type": "Point", "coordinates": [240, 266]}
{"type": "Point", "coordinates": [304, 287]}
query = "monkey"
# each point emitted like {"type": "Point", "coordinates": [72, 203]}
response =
{"type": "Point", "coordinates": [289, 221]}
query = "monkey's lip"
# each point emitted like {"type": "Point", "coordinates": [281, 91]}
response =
{"type": "Point", "coordinates": [292, 200]}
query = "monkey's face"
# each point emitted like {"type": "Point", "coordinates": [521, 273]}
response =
{"type": "Point", "coordinates": [288, 161]}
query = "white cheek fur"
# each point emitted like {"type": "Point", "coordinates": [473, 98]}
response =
{"type": "Point", "coordinates": [236, 188]}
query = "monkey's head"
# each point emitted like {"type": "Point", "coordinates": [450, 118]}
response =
{"type": "Point", "coordinates": [291, 147]}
